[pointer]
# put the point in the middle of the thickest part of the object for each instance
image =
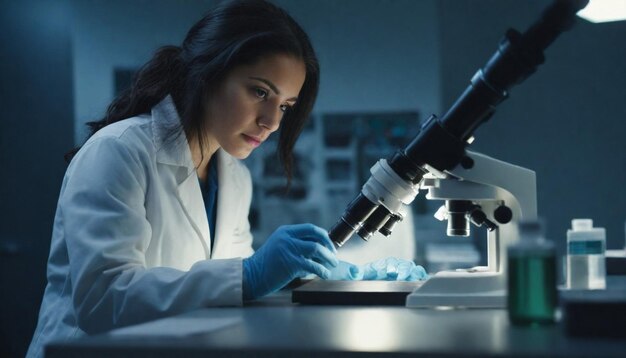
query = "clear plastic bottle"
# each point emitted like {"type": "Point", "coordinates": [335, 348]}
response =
{"type": "Point", "coordinates": [531, 267]}
{"type": "Point", "coordinates": [586, 246]}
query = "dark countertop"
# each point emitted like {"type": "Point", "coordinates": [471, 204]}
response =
{"type": "Point", "coordinates": [276, 327]}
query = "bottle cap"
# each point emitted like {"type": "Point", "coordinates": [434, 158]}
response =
{"type": "Point", "coordinates": [532, 239]}
{"type": "Point", "coordinates": [582, 224]}
{"type": "Point", "coordinates": [531, 228]}
{"type": "Point", "coordinates": [582, 230]}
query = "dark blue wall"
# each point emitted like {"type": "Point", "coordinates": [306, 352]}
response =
{"type": "Point", "coordinates": [567, 122]}
{"type": "Point", "coordinates": [36, 119]}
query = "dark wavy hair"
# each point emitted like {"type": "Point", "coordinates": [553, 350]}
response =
{"type": "Point", "coordinates": [233, 34]}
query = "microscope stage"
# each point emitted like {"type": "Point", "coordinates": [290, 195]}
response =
{"type": "Point", "coordinates": [322, 292]}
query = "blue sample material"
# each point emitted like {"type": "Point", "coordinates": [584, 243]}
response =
{"type": "Point", "coordinates": [387, 269]}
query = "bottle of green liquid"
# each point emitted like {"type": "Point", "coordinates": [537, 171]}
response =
{"type": "Point", "coordinates": [531, 265]}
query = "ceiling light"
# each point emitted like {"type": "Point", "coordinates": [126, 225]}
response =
{"type": "Point", "coordinates": [604, 11]}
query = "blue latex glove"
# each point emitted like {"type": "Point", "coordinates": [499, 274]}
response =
{"type": "Point", "coordinates": [393, 269]}
{"type": "Point", "coordinates": [389, 269]}
{"type": "Point", "coordinates": [291, 251]}
{"type": "Point", "coordinates": [346, 271]}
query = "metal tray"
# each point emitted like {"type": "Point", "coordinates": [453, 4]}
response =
{"type": "Point", "coordinates": [321, 292]}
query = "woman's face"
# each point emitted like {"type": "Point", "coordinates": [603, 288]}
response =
{"type": "Point", "coordinates": [251, 102]}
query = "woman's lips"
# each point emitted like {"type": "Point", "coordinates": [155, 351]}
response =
{"type": "Point", "coordinates": [253, 141]}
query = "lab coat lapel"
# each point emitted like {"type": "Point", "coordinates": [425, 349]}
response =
{"type": "Point", "coordinates": [228, 205]}
{"type": "Point", "coordinates": [191, 200]}
{"type": "Point", "coordinates": [175, 153]}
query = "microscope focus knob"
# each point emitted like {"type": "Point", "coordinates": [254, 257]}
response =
{"type": "Point", "coordinates": [503, 214]}
{"type": "Point", "coordinates": [467, 162]}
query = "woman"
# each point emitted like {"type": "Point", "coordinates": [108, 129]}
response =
{"type": "Point", "coordinates": [152, 215]}
{"type": "Point", "coordinates": [132, 240]}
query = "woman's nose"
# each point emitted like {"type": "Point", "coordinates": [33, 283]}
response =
{"type": "Point", "coordinates": [270, 118]}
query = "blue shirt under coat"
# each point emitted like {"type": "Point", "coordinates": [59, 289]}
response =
{"type": "Point", "coordinates": [209, 195]}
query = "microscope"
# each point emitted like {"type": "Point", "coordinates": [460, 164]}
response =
{"type": "Point", "coordinates": [487, 193]}
{"type": "Point", "coordinates": [475, 187]}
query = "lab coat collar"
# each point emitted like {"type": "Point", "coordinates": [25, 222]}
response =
{"type": "Point", "coordinates": [170, 139]}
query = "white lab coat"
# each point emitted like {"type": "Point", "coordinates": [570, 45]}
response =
{"type": "Point", "coordinates": [131, 238]}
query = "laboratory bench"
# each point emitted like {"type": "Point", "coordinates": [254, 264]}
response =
{"type": "Point", "coordinates": [276, 327]}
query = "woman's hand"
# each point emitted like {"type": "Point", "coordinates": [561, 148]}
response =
{"type": "Point", "coordinates": [290, 252]}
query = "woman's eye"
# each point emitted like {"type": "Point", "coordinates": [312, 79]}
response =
{"type": "Point", "coordinates": [285, 107]}
{"type": "Point", "coordinates": [261, 93]}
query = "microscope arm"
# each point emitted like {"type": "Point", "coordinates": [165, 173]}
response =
{"type": "Point", "coordinates": [441, 142]}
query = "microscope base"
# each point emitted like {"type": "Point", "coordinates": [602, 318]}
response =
{"type": "Point", "coordinates": [460, 289]}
